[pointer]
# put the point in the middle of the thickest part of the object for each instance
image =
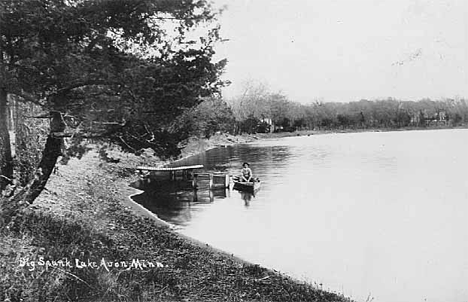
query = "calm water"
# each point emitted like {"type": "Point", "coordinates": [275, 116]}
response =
{"type": "Point", "coordinates": [369, 215]}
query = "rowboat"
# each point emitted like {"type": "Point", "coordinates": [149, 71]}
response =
{"type": "Point", "coordinates": [247, 186]}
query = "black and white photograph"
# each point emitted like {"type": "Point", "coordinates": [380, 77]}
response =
{"type": "Point", "coordinates": [234, 150]}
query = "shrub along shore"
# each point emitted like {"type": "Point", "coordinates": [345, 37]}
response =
{"type": "Point", "coordinates": [84, 240]}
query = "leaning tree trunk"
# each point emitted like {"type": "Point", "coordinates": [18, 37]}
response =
{"type": "Point", "coordinates": [52, 151]}
{"type": "Point", "coordinates": [6, 161]}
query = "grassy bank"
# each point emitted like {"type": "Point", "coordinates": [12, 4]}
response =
{"type": "Point", "coordinates": [65, 248]}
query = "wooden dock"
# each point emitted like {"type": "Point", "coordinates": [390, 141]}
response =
{"type": "Point", "coordinates": [216, 180]}
{"type": "Point", "coordinates": [170, 168]}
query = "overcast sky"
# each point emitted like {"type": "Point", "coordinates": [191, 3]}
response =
{"type": "Point", "coordinates": [346, 50]}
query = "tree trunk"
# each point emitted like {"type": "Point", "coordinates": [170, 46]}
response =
{"type": "Point", "coordinates": [52, 151]}
{"type": "Point", "coordinates": [6, 160]}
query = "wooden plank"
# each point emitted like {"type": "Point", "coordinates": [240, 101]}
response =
{"type": "Point", "coordinates": [171, 168]}
{"type": "Point", "coordinates": [215, 174]}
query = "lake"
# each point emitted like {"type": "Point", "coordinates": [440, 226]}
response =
{"type": "Point", "coordinates": [376, 216]}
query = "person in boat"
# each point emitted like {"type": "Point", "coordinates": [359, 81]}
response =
{"type": "Point", "coordinates": [246, 173]}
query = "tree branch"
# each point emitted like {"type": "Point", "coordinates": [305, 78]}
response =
{"type": "Point", "coordinates": [111, 123]}
{"type": "Point", "coordinates": [38, 116]}
{"type": "Point", "coordinates": [125, 143]}
{"type": "Point", "coordinates": [87, 83]}
{"type": "Point", "coordinates": [70, 134]}
{"type": "Point", "coordinates": [6, 178]}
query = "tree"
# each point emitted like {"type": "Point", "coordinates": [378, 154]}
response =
{"type": "Point", "coordinates": [278, 107]}
{"type": "Point", "coordinates": [209, 117]}
{"type": "Point", "coordinates": [250, 125]}
{"type": "Point", "coordinates": [252, 102]}
{"type": "Point", "coordinates": [6, 161]}
{"type": "Point", "coordinates": [258, 103]}
{"type": "Point", "coordinates": [119, 70]}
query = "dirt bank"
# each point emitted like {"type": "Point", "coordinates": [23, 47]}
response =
{"type": "Point", "coordinates": [113, 250]}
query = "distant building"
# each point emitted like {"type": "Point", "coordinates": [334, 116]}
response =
{"type": "Point", "coordinates": [269, 122]}
{"type": "Point", "coordinates": [422, 118]}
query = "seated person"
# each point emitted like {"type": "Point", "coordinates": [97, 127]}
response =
{"type": "Point", "coordinates": [246, 173]}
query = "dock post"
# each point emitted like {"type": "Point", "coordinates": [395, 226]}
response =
{"type": "Point", "coordinates": [194, 181]}
{"type": "Point", "coordinates": [226, 181]}
{"type": "Point", "coordinates": [211, 181]}
{"type": "Point", "coordinates": [211, 196]}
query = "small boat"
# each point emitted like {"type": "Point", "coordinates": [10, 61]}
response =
{"type": "Point", "coordinates": [252, 186]}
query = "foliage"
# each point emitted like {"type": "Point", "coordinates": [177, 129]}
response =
{"type": "Point", "coordinates": [74, 57]}
{"type": "Point", "coordinates": [121, 70]}
{"type": "Point", "coordinates": [364, 114]}
{"type": "Point", "coordinates": [211, 116]}
{"type": "Point", "coordinates": [250, 125]}
{"type": "Point", "coordinates": [260, 110]}
{"type": "Point", "coordinates": [251, 103]}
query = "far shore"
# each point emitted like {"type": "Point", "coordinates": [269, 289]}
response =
{"type": "Point", "coordinates": [198, 145]}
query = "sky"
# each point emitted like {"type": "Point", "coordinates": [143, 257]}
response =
{"type": "Point", "coordinates": [347, 50]}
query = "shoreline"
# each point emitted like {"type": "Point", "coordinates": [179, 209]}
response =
{"type": "Point", "coordinates": [200, 145]}
{"type": "Point", "coordinates": [85, 212]}
{"type": "Point", "coordinates": [141, 210]}
{"type": "Point", "coordinates": [228, 140]}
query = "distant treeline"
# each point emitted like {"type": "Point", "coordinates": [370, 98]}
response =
{"type": "Point", "coordinates": [257, 111]}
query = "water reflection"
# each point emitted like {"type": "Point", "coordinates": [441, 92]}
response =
{"type": "Point", "coordinates": [174, 201]}
{"type": "Point", "coordinates": [246, 197]}
{"type": "Point", "coordinates": [230, 159]}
